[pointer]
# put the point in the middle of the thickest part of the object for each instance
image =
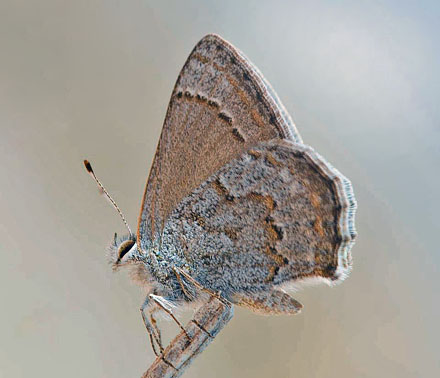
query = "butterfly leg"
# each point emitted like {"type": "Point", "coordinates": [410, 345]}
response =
{"type": "Point", "coordinates": [186, 290]}
{"type": "Point", "coordinates": [164, 305]}
{"type": "Point", "coordinates": [155, 327]}
{"type": "Point", "coordinates": [151, 326]}
{"type": "Point", "coordinates": [181, 273]}
{"type": "Point", "coordinates": [152, 304]}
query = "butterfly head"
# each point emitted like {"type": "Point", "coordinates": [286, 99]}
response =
{"type": "Point", "coordinates": [123, 251]}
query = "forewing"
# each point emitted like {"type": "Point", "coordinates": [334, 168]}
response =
{"type": "Point", "coordinates": [278, 214]}
{"type": "Point", "coordinates": [220, 106]}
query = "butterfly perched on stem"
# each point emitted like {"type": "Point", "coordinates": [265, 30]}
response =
{"type": "Point", "coordinates": [236, 206]}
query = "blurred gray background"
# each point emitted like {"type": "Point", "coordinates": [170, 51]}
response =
{"type": "Point", "coordinates": [92, 79]}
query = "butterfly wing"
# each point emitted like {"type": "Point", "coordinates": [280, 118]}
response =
{"type": "Point", "coordinates": [279, 214]}
{"type": "Point", "coordinates": [220, 106]}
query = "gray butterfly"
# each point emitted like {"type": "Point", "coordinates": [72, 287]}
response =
{"type": "Point", "coordinates": [235, 204]}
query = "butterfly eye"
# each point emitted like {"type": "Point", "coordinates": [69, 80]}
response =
{"type": "Point", "coordinates": [124, 248]}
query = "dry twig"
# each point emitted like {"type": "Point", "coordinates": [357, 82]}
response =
{"type": "Point", "coordinates": [202, 329]}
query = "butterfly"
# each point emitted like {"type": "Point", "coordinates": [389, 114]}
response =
{"type": "Point", "coordinates": [235, 205]}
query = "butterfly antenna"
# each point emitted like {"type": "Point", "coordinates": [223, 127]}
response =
{"type": "Point", "coordinates": [103, 191]}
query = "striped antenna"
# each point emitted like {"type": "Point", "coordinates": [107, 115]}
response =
{"type": "Point", "coordinates": [103, 191]}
